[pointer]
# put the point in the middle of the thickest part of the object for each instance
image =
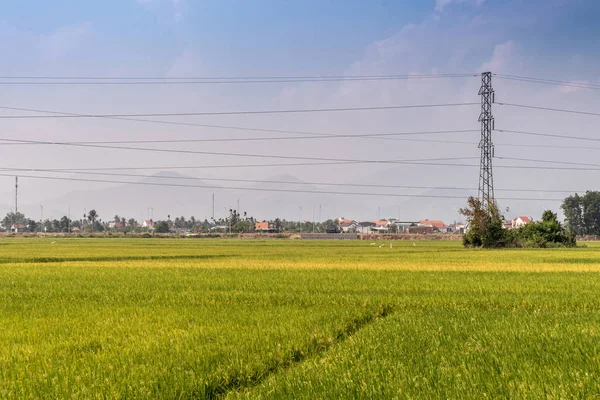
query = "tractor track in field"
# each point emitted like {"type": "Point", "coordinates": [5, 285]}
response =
{"type": "Point", "coordinates": [219, 390]}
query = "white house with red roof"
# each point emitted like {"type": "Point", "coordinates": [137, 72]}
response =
{"type": "Point", "coordinates": [347, 225]}
{"type": "Point", "coordinates": [520, 221]}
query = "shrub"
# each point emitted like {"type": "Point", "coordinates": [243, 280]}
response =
{"type": "Point", "coordinates": [485, 225]}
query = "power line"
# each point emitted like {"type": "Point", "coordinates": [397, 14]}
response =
{"type": "Point", "coordinates": [329, 136]}
{"type": "Point", "coordinates": [549, 161]}
{"type": "Point", "coordinates": [400, 76]}
{"type": "Point", "coordinates": [550, 135]}
{"type": "Point", "coordinates": [318, 164]}
{"type": "Point", "coordinates": [246, 112]}
{"type": "Point", "coordinates": [549, 109]}
{"type": "Point", "coordinates": [293, 132]}
{"type": "Point", "coordinates": [279, 182]}
{"type": "Point", "coordinates": [214, 153]}
{"type": "Point", "coordinates": [385, 136]}
{"type": "Point", "coordinates": [580, 85]}
{"type": "Point", "coordinates": [72, 80]}
{"type": "Point", "coordinates": [268, 190]}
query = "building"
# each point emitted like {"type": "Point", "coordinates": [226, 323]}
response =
{"type": "Point", "coordinates": [438, 226]}
{"type": "Point", "coordinates": [148, 224]}
{"type": "Point", "coordinates": [347, 225]}
{"type": "Point", "coordinates": [457, 227]}
{"type": "Point", "coordinates": [520, 221]}
{"type": "Point", "coordinates": [265, 227]}
{"type": "Point", "coordinates": [115, 225]}
{"type": "Point", "coordinates": [420, 229]}
{"type": "Point", "coordinates": [18, 228]}
{"type": "Point", "coordinates": [364, 227]}
{"type": "Point", "coordinates": [381, 226]}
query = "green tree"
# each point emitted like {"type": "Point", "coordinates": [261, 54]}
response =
{"type": "Point", "coordinates": [572, 207]}
{"type": "Point", "coordinates": [92, 217]}
{"type": "Point", "coordinates": [485, 225]}
{"type": "Point", "coordinates": [11, 219]}
{"type": "Point", "coordinates": [162, 227]}
{"type": "Point", "coordinates": [64, 224]}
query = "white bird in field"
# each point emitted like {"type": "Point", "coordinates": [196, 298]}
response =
{"type": "Point", "coordinates": [390, 245]}
{"type": "Point", "coordinates": [414, 244]}
{"type": "Point", "coordinates": [382, 244]}
{"type": "Point", "coordinates": [54, 242]}
{"type": "Point", "coordinates": [373, 244]}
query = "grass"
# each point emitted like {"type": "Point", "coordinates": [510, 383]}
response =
{"type": "Point", "coordinates": [121, 318]}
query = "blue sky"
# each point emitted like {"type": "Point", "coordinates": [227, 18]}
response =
{"type": "Point", "coordinates": [271, 37]}
{"type": "Point", "coordinates": [556, 39]}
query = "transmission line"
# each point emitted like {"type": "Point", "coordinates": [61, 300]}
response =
{"type": "Point", "coordinates": [390, 136]}
{"type": "Point", "coordinates": [293, 132]}
{"type": "Point", "coordinates": [549, 109]}
{"type": "Point", "coordinates": [72, 80]}
{"type": "Point", "coordinates": [215, 153]}
{"type": "Point", "coordinates": [278, 182]}
{"type": "Point", "coordinates": [550, 135]}
{"type": "Point", "coordinates": [267, 190]}
{"type": "Point", "coordinates": [245, 112]}
{"type": "Point", "coordinates": [580, 85]}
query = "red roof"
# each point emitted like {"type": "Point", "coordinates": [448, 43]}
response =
{"type": "Point", "coordinates": [524, 219]}
{"type": "Point", "coordinates": [262, 226]}
{"type": "Point", "coordinates": [381, 223]}
{"type": "Point", "coordinates": [434, 223]}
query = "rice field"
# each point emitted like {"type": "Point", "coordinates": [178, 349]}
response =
{"type": "Point", "coordinates": [210, 318]}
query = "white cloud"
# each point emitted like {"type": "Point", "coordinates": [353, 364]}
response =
{"type": "Point", "coordinates": [64, 40]}
{"type": "Point", "coordinates": [441, 4]}
{"type": "Point", "coordinates": [187, 64]}
{"type": "Point", "coordinates": [503, 59]}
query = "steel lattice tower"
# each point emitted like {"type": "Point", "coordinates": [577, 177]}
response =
{"type": "Point", "coordinates": [486, 178]}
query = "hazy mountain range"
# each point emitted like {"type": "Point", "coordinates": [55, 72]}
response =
{"type": "Point", "coordinates": [187, 196]}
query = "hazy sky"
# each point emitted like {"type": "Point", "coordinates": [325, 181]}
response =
{"type": "Point", "coordinates": [182, 38]}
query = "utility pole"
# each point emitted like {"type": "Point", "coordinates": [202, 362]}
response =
{"type": "Point", "coordinates": [16, 194]}
{"type": "Point", "coordinates": [300, 207]}
{"type": "Point", "coordinates": [486, 179]}
{"type": "Point", "coordinates": [238, 206]}
{"type": "Point", "coordinates": [213, 207]}
{"type": "Point", "coordinates": [41, 217]}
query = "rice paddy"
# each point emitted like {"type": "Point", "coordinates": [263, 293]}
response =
{"type": "Point", "coordinates": [210, 318]}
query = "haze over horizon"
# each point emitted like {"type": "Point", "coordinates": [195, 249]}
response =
{"type": "Point", "coordinates": [548, 40]}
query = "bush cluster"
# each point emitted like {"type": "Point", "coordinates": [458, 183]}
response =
{"type": "Point", "coordinates": [486, 229]}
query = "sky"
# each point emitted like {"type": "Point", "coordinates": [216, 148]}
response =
{"type": "Point", "coordinates": [552, 39]}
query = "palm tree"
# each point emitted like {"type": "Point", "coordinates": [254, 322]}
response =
{"type": "Point", "coordinates": [92, 217]}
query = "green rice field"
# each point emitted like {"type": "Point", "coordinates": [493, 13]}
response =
{"type": "Point", "coordinates": [226, 318]}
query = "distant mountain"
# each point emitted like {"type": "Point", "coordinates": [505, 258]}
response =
{"type": "Point", "coordinates": [191, 196]}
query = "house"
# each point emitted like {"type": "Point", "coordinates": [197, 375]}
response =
{"type": "Point", "coordinates": [437, 225]}
{"type": "Point", "coordinates": [148, 224]}
{"type": "Point", "coordinates": [347, 225]}
{"type": "Point", "coordinates": [17, 228]}
{"type": "Point", "coordinates": [457, 227]}
{"type": "Point", "coordinates": [265, 227]}
{"type": "Point", "coordinates": [115, 225]}
{"type": "Point", "coordinates": [520, 221]}
{"type": "Point", "coordinates": [364, 227]}
{"type": "Point", "coordinates": [402, 226]}
{"type": "Point", "coordinates": [507, 224]}
{"type": "Point", "coordinates": [381, 226]}
{"type": "Point", "coordinates": [420, 229]}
